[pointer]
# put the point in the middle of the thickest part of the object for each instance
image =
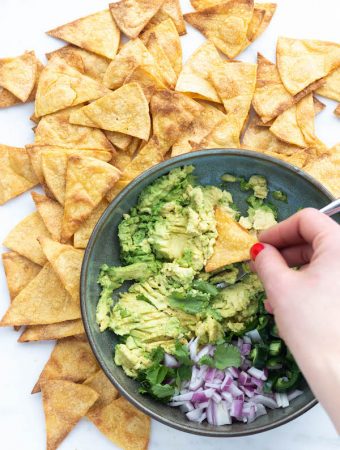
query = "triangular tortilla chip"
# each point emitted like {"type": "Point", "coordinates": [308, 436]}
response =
{"type": "Point", "coordinates": [54, 165]}
{"type": "Point", "coordinates": [123, 157]}
{"type": "Point", "coordinates": [18, 74]}
{"type": "Point", "coordinates": [65, 403]}
{"type": "Point", "coordinates": [223, 135]}
{"type": "Point", "coordinates": [225, 25]}
{"type": "Point", "coordinates": [170, 9]}
{"type": "Point", "coordinates": [271, 98]}
{"type": "Point", "coordinates": [55, 129]}
{"type": "Point", "coordinates": [19, 272]}
{"type": "Point", "coordinates": [125, 110]}
{"type": "Point", "coordinates": [88, 63]}
{"type": "Point", "coordinates": [66, 261]}
{"type": "Point", "coordinates": [119, 140]}
{"type": "Point", "coordinates": [52, 331]}
{"type": "Point", "coordinates": [163, 62]}
{"type": "Point", "coordinates": [104, 388]}
{"type": "Point", "coordinates": [97, 33]}
{"type": "Point", "coordinates": [331, 86]}
{"type": "Point", "coordinates": [146, 81]}
{"type": "Point", "coordinates": [82, 235]}
{"type": "Point", "coordinates": [51, 213]}
{"type": "Point", "coordinates": [23, 239]}
{"type": "Point", "coordinates": [232, 244]}
{"type": "Point", "coordinates": [235, 84]}
{"type": "Point", "coordinates": [44, 300]}
{"type": "Point", "coordinates": [133, 432]}
{"type": "Point", "coordinates": [61, 86]}
{"type": "Point", "coordinates": [71, 359]}
{"type": "Point", "coordinates": [17, 174]}
{"type": "Point", "coordinates": [262, 15]}
{"type": "Point", "coordinates": [204, 123]}
{"type": "Point", "coordinates": [194, 78]}
{"type": "Point", "coordinates": [326, 169]}
{"type": "Point", "coordinates": [87, 182]}
{"type": "Point", "coordinates": [337, 110]}
{"type": "Point", "coordinates": [301, 62]}
{"type": "Point", "coordinates": [131, 16]}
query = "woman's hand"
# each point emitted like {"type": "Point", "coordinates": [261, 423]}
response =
{"type": "Point", "coordinates": [306, 303]}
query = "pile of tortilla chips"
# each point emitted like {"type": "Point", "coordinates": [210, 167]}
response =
{"type": "Point", "coordinates": [105, 111]}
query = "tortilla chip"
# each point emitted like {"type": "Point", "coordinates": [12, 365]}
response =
{"type": "Point", "coordinates": [167, 73]}
{"type": "Point", "coordinates": [19, 272]}
{"type": "Point", "coordinates": [87, 182]}
{"type": "Point", "coordinates": [51, 213]}
{"type": "Point", "coordinates": [52, 331]}
{"type": "Point", "coordinates": [55, 129]}
{"type": "Point", "coordinates": [61, 86]}
{"type": "Point", "coordinates": [65, 403]}
{"type": "Point", "coordinates": [223, 135]}
{"type": "Point", "coordinates": [88, 63]}
{"type": "Point", "coordinates": [18, 75]}
{"type": "Point", "coordinates": [233, 242]}
{"type": "Point", "coordinates": [125, 110]}
{"type": "Point", "coordinates": [326, 169]}
{"type": "Point", "coordinates": [54, 165]}
{"type": "Point", "coordinates": [23, 238]}
{"type": "Point", "coordinates": [225, 25]}
{"type": "Point", "coordinates": [131, 16]}
{"type": "Point", "coordinates": [262, 15]}
{"type": "Point", "coordinates": [82, 235]}
{"type": "Point", "coordinates": [146, 81]}
{"type": "Point", "coordinates": [194, 78]}
{"type": "Point", "coordinates": [151, 154]}
{"type": "Point", "coordinates": [71, 359]}
{"type": "Point", "coordinates": [124, 157]}
{"type": "Point", "coordinates": [170, 9]}
{"type": "Point", "coordinates": [337, 110]}
{"type": "Point", "coordinates": [104, 388]}
{"type": "Point", "coordinates": [119, 140]}
{"type": "Point", "coordinates": [97, 33]}
{"type": "Point", "coordinates": [204, 123]}
{"type": "Point", "coordinates": [301, 62]}
{"type": "Point", "coordinates": [133, 432]}
{"type": "Point", "coordinates": [331, 86]}
{"type": "Point", "coordinates": [44, 300]}
{"type": "Point", "coordinates": [17, 174]}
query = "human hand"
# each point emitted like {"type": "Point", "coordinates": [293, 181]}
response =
{"type": "Point", "coordinates": [306, 303]}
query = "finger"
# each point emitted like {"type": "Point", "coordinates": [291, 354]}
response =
{"type": "Point", "coordinates": [268, 306]}
{"type": "Point", "coordinates": [304, 226]}
{"type": "Point", "coordinates": [298, 255]}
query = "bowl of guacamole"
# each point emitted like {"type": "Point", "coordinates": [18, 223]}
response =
{"type": "Point", "coordinates": [186, 340]}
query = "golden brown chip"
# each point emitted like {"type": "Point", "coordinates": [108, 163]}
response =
{"type": "Point", "coordinates": [82, 235]}
{"type": "Point", "coordinates": [23, 239]}
{"type": "Point", "coordinates": [337, 110]}
{"type": "Point", "coordinates": [52, 331]}
{"type": "Point", "coordinates": [119, 140]}
{"type": "Point", "coordinates": [65, 403]}
{"type": "Point", "coordinates": [203, 124]}
{"type": "Point", "coordinates": [123, 157]}
{"type": "Point", "coordinates": [131, 16]}
{"type": "Point", "coordinates": [55, 129]}
{"type": "Point", "coordinates": [51, 213]}
{"type": "Point", "coordinates": [301, 62]}
{"type": "Point", "coordinates": [61, 86]}
{"type": "Point", "coordinates": [104, 388]}
{"type": "Point", "coordinates": [42, 301]}
{"type": "Point", "coordinates": [235, 84]}
{"type": "Point", "coordinates": [194, 78]}
{"type": "Point", "coordinates": [170, 9]}
{"type": "Point", "coordinates": [331, 86]}
{"type": "Point", "coordinates": [262, 15]}
{"type": "Point", "coordinates": [19, 272]}
{"type": "Point", "coordinates": [18, 75]}
{"type": "Point", "coordinates": [17, 174]}
{"type": "Point", "coordinates": [225, 25]}
{"type": "Point", "coordinates": [146, 81]}
{"type": "Point", "coordinates": [166, 70]}
{"type": "Point", "coordinates": [54, 165]}
{"type": "Point", "coordinates": [133, 432]}
{"type": "Point", "coordinates": [223, 135]}
{"type": "Point", "coordinates": [71, 359]}
{"type": "Point", "coordinates": [97, 33]}
{"type": "Point", "coordinates": [232, 244]}
{"type": "Point", "coordinates": [125, 110]}
{"type": "Point", "coordinates": [87, 182]}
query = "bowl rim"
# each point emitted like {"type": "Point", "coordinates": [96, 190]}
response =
{"type": "Point", "coordinates": [164, 164]}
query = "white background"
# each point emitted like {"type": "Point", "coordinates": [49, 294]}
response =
{"type": "Point", "coordinates": [22, 26]}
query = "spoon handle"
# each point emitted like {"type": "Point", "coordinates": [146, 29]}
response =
{"type": "Point", "coordinates": [332, 208]}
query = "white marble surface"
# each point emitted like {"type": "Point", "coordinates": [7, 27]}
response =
{"type": "Point", "coordinates": [22, 26]}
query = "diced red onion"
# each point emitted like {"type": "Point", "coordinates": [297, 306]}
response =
{"type": "Point", "coordinates": [265, 400]}
{"type": "Point", "coordinates": [233, 372]}
{"type": "Point", "coordinates": [182, 397]}
{"type": "Point", "coordinates": [196, 415]}
{"type": "Point", "coordinates": [222, 416]}
{"type": "Point", "coordinates": [193, 348]}
{"type": "Point", "coordinates": [228, 380]}
{"type": "Point", "coordinates": [254, 336]}
{"type": "Point", "coordinates": [210, 374]}
{"type": "Point", "coordinates": [244, 378]}
{"type": "Point", "coordinates": [281, 399]}
{"type": "Point", "coordinates": [199, 397]}
{"type": "Point", "coordinates": [219, 374]}
{"type": "Point", "coordinates": [260, 410]}
{"type": "Point", "coordinates": [249, 391]}
{"type": "Point", "coordinates": [245, 350]}
{"type": "Point", "coordinates": [257, 373]}
{"type": "Point", "coordinates": [236, 408]}
{"type": "Point", "coordinates": [216, 397]}
{"type": "Point", "coordinates": [187, 407]}
{"type": "Point", "coordinates": [234, 390]}
{"type": "Point", "coordinates": [170, 361]}
{"type": "Point", "coordinates": [246, 339]}
{"type": "Point", "coordinates": [206, 350]}
{"type": "Point", "coordinates": [227, 397]}
{"type": "Point", "coordinates": [216, 386]}
{"type": "Point", "coordinates": [294, 394]}
{"type": "Point", "coordinates": [211, 413]}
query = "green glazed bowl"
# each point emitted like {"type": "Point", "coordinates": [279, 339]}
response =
{"type": "Point", "coordinates": [103, 247]}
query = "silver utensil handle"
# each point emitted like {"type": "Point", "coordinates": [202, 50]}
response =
{"type": "Point", "coordinates": [331, 208]}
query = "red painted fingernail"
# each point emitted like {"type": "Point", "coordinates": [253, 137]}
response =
{"type": "Point", "coordinates": [255, 250]}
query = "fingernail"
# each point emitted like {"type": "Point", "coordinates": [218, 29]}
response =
{"type": "Point", "coordinates": [255, 250]}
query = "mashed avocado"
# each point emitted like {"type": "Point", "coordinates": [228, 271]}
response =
{"type": "Point", "coordinates": [166, 240]}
